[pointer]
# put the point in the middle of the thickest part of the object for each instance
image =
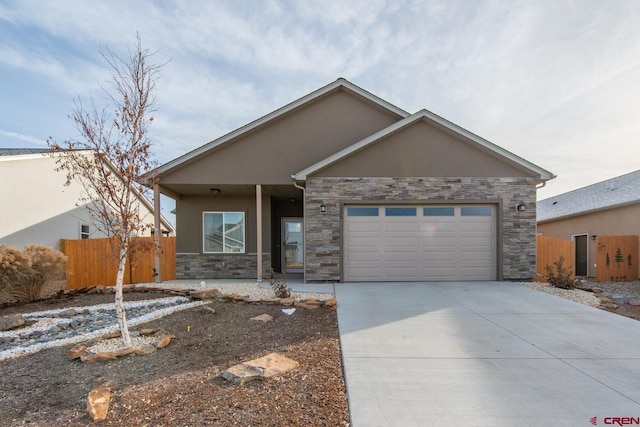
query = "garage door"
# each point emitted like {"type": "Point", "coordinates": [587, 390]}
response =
{"type": "Point", "coordinates": [414, 243]}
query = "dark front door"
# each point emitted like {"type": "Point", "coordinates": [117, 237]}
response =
{"type": "Point", "coordinates": [581, 261]}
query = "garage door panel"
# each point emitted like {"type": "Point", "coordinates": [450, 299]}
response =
{"type": "Point", "coordinates": [363, 227]}
{"type": "Point", "coordinates": [399, 273]}
{"type": "Point", "coordinates": [443, 227]}
{"type": "Point", "coordinates": [364, 242]}
{"type": "Point", "coordinates": [403, 242]}
{"type": "Point", "coordinates": [361, 256]}
{"type": "Point", "coordinates": [435, 257]}
{"type": "Point", "coordinates": [404, 256]}
{"type": "Point", "coordinates": [407, 227]}
{"type": "Point", "coordinates": [366, 273]}
{"type": "Point", "coordinates": [476, 241]}
{"type": "Point", "coordinates": [441, 243]}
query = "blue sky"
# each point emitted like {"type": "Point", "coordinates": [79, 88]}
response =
{"type": "Point", "coordinates": [556, 82]}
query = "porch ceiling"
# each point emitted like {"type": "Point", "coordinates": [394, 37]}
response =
{"type": "Point", "coordinates": [278, 191]}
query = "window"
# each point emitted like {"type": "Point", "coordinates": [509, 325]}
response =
{"type": "Point", "coordinates": [439, 211]}
{"type": "Point", "coordinates": [223, 232]}
{"type": "Point", "coordinates": [84, 231]}
{"type": "Point", "coordinates": [476, 211]}
{"type": "Point", "coordinates": [362, 211]}
{"type": "Point", "coordinates": [400, 212]}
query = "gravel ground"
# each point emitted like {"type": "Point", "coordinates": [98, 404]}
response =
{"type": "Point", "coordinates": [234, 287]}
{"type": "Point", "coordinates": [577, 295]}
{"type": "Point", "coordinates": [629, 289]}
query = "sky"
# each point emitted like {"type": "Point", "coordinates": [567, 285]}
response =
{"type": "Point", "coordinates": [556, 82]}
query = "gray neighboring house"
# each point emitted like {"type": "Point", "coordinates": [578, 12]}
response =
{"type": "Point", "coordinates": [607, 208]}
{"type": "Point", "coordinates": [343, 186]}
{"type": "Point", "coordinates": [36, 206]}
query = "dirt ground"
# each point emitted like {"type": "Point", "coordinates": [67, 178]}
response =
{"type": "Point", "coordinates": [180, 385]}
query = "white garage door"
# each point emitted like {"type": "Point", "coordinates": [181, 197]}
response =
{"type": "Point", "coordinates": [414, 243]}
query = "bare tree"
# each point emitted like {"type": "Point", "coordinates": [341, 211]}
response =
{"type": "Point", "coordinates": [112, 152]}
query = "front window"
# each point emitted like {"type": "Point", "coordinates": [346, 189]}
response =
{"type": "Point", "coordinates": [223, 232]}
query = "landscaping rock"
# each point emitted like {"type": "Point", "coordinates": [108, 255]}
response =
{"type": "Point", "coordinates": [263, 367]}
{"type": "Point", "coordinates": [205, 294]}
{"type": "Point", "coordinates": [11, 321]}
{"type": "Point", "coordinates": [98, 402]}
{"type": "Point", "coordinates": [263, 318]}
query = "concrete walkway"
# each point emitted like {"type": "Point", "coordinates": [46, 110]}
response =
{"type": "Point", "coordinates": [483, 354]}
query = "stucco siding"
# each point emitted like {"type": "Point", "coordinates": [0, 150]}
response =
{"type": "Point", "coordinates": [516, 230]}
{"type": "Point", "coordinates": [610, 222]}
{"type": "Point", "coordinates": [291, 143]}
{"type": "Point", "coordinates": [422, 150]}
{"type": "Point", "coordinates": [37, 207]}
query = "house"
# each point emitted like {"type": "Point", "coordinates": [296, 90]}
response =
{"type": "Point", "coordinates": [343, 186]}
{"type": "Point", "coordinates": [37, 208]}
{"type": "Point", "coordinates": [607, 208]}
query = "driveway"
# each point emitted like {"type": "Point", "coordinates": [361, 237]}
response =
{"type": "Point", "coordinates": [484, 354]}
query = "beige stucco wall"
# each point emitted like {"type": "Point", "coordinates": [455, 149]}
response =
{"type": "Point", "coordinates": [37, 208]}
{"type": "Point", "coordinates": [624, 220]}
{"type": "Point", "coordinates": [271, 154]}
{"type": "Point", "coordinates": [421, 150]}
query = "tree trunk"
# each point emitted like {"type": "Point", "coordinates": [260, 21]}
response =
{"type": "Point", "coordinates": [122, 315]}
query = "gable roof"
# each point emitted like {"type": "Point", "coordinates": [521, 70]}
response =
{"type": "Point", "coordinates": [434, 119]}
{"type": "Point", "coordinates": [339, 84]}
{"type": "Point", "coordinates": [614, 192]}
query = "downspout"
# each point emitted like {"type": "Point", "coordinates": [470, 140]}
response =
{"type": "Point", "coordinates": [304, 234]}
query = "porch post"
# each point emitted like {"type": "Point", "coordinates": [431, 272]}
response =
{"type": "Point", "coordinates": [259, 230]}
{"type": "Point", "coordinates": [157, 233]}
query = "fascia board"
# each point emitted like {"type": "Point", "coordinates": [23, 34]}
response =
{"type": "Point", "coordinates": [341, 82]}
{"type": "Point", "coordinates": [542, 173]}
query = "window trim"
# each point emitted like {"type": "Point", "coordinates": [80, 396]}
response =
{"type": "Point", "coordinates": [84, 235]}
{"type": "Point", "coordinates": [244, 232]}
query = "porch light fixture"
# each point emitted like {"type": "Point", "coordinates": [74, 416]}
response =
{"type": "Point", "coordinates": [521, 207]}
{"type": "Point", "coordinates": [323, 208]}
{"type": "Point", "coordinates": [214, 190]}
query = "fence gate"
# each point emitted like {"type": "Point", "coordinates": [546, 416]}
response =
{"type": "Point", "coordinates": [616, 258]}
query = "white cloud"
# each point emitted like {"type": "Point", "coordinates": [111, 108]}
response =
{"type": "Point", "coordinates": [25, 138]}
{"type": "Point", "coordinates": [549, 81]}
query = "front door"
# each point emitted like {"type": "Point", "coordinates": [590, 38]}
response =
{"type": "Point", "coordinates": [581, 261]}
{"type": "Point", "coordinates": [292, 245]}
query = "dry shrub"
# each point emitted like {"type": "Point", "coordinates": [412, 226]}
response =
{"type": "Point", "coordinates": [23, 273]}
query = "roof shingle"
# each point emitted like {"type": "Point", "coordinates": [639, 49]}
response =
{"type": "Point", "coordinates": [612, 192]}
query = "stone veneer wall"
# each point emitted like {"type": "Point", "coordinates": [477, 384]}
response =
{"type": "Point", "coordinates": [220, 266]}
{"type": "Point", "coordinates": [323, 232]}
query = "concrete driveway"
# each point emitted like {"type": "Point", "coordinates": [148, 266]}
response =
{"type": "Point", "coordinates": [484, 354]}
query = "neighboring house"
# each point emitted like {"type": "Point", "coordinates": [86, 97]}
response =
{"type": "Point", "coordinates": [607, 208]}
{"type": "Point", "coordinates": [343, 186]}
{"type": "Point", "coordinates": [37, 208]}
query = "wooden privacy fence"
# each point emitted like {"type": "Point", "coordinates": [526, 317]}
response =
{"type": "Point", "coordinates": [549, 250]}
{"type": "Point", "coordinates": [616, 258]}
{"type": "Point", "coordinates": [90, 262]}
